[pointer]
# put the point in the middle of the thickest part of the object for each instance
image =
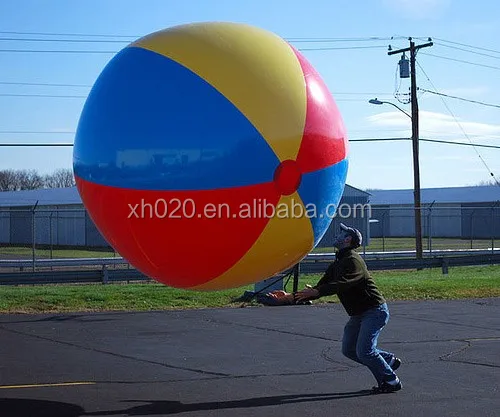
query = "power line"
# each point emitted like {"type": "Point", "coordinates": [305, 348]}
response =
{"type": "Point", "coordinates": [88, 51]}
{"type": "Point", "coordinates": [350, 140]}
{"type": "Point", "coordinates": [469, 46]}
{"type": "Point", "coordinates": [469, 51]}
{"type": "Point", "coordinates": [335, 93]}
{"type": "Point", "coordinates": [378, 139]}
{"type": "Point", "coordinates": [76, 96]}
{"type": "Point", "coordinates": [110, 38]}
{"type": "Point", "coordinates": [63, 40]}
{"type": "Point", "coordinates": [327, 48]}
{"type": "Point", "coordinates": [461, 60]}
{"type": "Point", "coordinates": [460, 98]}
{"type": "Point", "coordinates": [40, 95]}
{"type": "Point", "coordinates": [361, 39]}
{"type": "Point", "coordinates": [448, 142]}
{"type": "Point", "coordinates": [361, 93]}
{"type": "Point", "coordinates": [459, 143]}
{"type": "Point", "coordinates": [461, 128]}
{"type": "Point", "coordinates": [67, 34]}
{"type": "Point", "coordinates": [296, 39]}
{"type": "Point", "coordinates": [33, 132]}
{"type": "Point", "coordinates": [90, 86]}
{"type": "Point", "coordinates": [57, 51]}
{"type": "Point", "coordinates": [48, 132]}
{"type": "Point", "coordinates": [44, 84]}
{"type": "Point", "coordinates": [34, 144]}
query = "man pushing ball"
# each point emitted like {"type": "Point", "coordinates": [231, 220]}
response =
{"type": "Point", "coordinates": [348, 277]}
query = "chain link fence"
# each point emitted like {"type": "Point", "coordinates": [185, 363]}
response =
{"type": "Point", "coordinates": [461, 226]}
{"type": "Point", "coordinates": [50, 233]}
{"type": "Point", "coordinates": [64, 232]}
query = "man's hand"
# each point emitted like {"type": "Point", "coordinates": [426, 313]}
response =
{"type": "Point", "coordinates": [282, 296]}
{"type": "Point", "coordinates": [289, 298]}
{"type": "Point", "coordinates": [307, 294]}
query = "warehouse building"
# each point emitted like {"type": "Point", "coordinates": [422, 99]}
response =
{"type": "Point", "coordinates": [353, 210]}
{"type": "Point", "coordinates": [456, 212]}
{"type": "Point", "coordinates": [56, 217]}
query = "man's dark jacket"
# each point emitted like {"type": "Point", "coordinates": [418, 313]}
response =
{"type": "Point", "coordinates": [349, 278]}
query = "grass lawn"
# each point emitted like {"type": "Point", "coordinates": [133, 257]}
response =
{"type": "Point", "coordinates": [461, 282]}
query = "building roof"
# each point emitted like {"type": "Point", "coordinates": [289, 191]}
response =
{"type": "Point", "coordinates": [349, 190]}
{"type": "Point", "coordinates": [70, 195]}
{"type": "Point", "coordinates": [475, 194]}
{"type": "Point", "coordinates": [44, 196]}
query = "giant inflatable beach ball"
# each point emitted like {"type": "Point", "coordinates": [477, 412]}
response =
{"type": "Point", "coordinates": [210, 155]}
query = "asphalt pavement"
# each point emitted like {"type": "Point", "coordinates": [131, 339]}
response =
{"type": "Point", "coordinates": [252, 361]}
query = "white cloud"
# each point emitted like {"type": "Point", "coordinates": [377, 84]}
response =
{"type": "Point", "coordinates": [437, 126]}
{"type": "Point", "coordinates": [422, 9]}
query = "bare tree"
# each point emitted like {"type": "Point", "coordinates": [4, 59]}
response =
{"type": "Point", "coordinates": [485, 182]}
{"type": "Point", "coordinates": [29, 180]}
{"type": "Point", "coordinates": [17, 180]}
{"type": "Point", "coordinates": [7, 180]}
{"type": "Point", "coordinates": [11, 180]}
{"type": "Point", "coordinates": [61, 178]}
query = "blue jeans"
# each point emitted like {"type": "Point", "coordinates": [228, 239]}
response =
{"type": "Point", "coordinates": [360, 342]}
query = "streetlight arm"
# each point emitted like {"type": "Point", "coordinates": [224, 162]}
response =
{"type": "Point", "coordinates": [400, 109]}
{"type": "Point", "coordinates": [377, 101]}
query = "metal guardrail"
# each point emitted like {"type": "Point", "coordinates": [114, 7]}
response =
{"type": "Point", "coordinates": [117, 260]}
{"type": "Point", "coordinates": [312, 264]}
{"type": "Point", "coordinates": [95, 276]}
{"type": "Point", "coordinates": [412, 253]}
{"type": "Point", "coordinates": [443, 262]}
{"type": "Point", "coordinates": [51, 263]}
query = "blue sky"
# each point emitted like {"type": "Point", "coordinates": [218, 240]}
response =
{"type": "Point", "coordinates": [353, 75]}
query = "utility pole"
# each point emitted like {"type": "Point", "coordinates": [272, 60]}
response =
{"type": "Point", "coordinates": [415, 141]}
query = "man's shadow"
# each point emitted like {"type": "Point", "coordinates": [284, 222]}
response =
{"type": "Point", "coordinates": [39, 408]}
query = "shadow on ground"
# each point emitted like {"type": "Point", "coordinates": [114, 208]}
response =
{"type": "Point", "coordinates": [17, 407]}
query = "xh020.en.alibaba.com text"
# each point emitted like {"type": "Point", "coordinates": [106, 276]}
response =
{"type": "Point", "coordinates": [176, 208]}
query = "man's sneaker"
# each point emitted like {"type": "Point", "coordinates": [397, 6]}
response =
{"type": "Point", "coordinates": [387, 387]}
{"type": "Point", "coordinates": [395, 363]}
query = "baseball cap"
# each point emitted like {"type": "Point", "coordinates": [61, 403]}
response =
{"type": "Point", "coordinates": [357, 238]}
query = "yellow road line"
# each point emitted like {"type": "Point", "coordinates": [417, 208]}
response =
{"type": "Point", "coordinates": [61, 384]}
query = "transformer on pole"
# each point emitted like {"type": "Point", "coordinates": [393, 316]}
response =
{"type": "Point", "coordinates": [404, 67]}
